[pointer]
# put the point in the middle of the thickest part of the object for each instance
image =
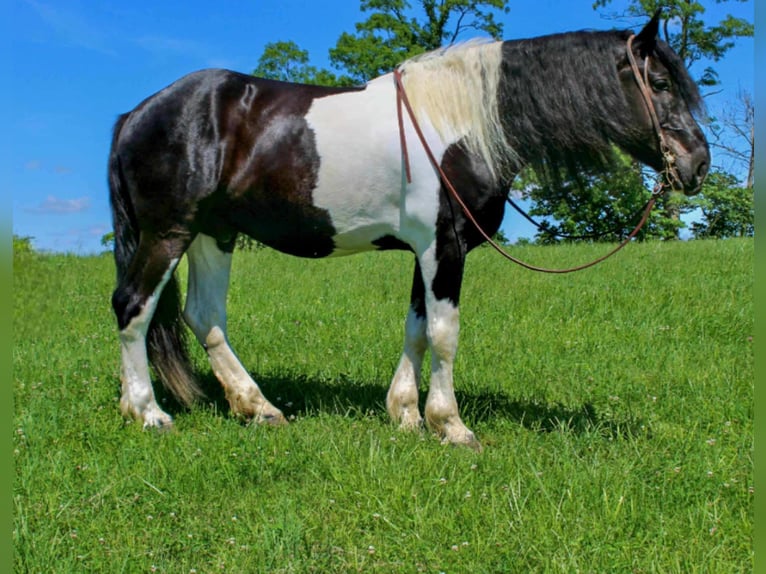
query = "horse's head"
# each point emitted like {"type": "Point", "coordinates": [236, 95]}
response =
{"type": "Point", "coordinates": [657, 84]}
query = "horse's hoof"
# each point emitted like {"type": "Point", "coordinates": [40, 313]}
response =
{"type": "Point", "coordinates": [159, 424]}
{"type": "Point", "coordinates": [276, 419]}
{"type": "Point", "coordinates": [411, 421]}
{"type": "Point", "coordinates": [271, 419]}
{"type": "Point", "coordinates": [466, 439]}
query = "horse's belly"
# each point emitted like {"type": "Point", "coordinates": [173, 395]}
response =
{"type": "Point", "coordinates": [361, 181]}
{"type": "Point", "coordinates": [361, 211]}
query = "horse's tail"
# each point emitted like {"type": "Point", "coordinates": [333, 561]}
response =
{"type": "Point", "coordinates": [166, 337]}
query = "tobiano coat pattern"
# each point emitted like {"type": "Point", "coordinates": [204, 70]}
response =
{"type": "Point", "coordinates": [319, 172]}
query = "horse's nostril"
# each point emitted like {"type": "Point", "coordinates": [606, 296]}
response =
{"type": "Point", "coordinates": [702, 169]}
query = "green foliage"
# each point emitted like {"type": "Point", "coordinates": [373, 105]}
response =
{"type": "Point", "coordinates": [287, 62]}
{"type": "Point", "coordinates": [107, 240]}
{"type": "Point", "coordinates": [392, 33]}
{"type": "Point", "coordinates": [600, 206]}
{"type": "Point", "coordinates": [245, 243]}
{"type": "Point", "coordinates": [615, 407]}
{"type": "Point", "coordinates": [687, 32]}
{"type": "Point", "coordinates": [389, 35]}
{"type": "Point", "coordinates": [22, 244]}
{"type": "Point", "coordinates": [500, 238]}
{"type": "Point", "coordinates": [727, 208]}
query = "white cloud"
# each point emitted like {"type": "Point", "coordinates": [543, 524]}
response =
{"type": "Point", "coordinates": [168, 46]}
{"type": "Point", "coordinates": [52, 204]}
{"type": "Point", "coordinates": [72, 27]}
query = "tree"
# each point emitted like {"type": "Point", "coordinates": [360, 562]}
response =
{"type": "Point", "coordinates": [598, 206]}
{"type": "Point", "coordinates": [692, 38]}
{"type": "Point", "coordinates": [734, 134]}
{"type": "Point", "coordinates": [287, 62]}
{"type": "Point", "coordinates": [388, 36]}
{"type": "Point", "coordinates": [392, 34]}
{"type": "Point", "coordinates": [22, 244]}
{"type": "Point", "coordinates": [727, 208]}
{"type": "Point", "coordinates": [107, 240]}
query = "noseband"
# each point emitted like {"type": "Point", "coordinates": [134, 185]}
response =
{"type": "Point", "coordinates": [669, 174]}
{"type": "Point", "coordinates": [668, 177]}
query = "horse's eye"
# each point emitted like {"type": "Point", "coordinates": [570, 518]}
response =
{"type": "Point", "coordinates": [661, 85]}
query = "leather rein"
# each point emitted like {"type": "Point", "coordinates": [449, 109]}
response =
{"type": "Point", "coordinates": [669, 175]}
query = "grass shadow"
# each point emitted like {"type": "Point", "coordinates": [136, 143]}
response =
{"type": "Point", "coordinates": [546, 417]}
{"type": "Point", "coordinates": [303, 395]}
{"type": "Point", "coordinates": [296, 395]}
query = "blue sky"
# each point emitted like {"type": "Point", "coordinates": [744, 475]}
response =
{"type": "Point", "coordinates": [73, 66]}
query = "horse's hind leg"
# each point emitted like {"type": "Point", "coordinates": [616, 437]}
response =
{"type": "Point", "coordinates": [135, 301]}
{"type": "Point", "coordinates": [205, 313]}
{"type": "Point", "coordinates": [402, 398]}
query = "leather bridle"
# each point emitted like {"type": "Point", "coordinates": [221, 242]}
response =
{"type": "Point", "coordinates": [670, 171]}
{"type": "Point", "coordinates": [669, 175]}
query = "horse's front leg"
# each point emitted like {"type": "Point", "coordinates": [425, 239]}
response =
{"type": "Point", "coordinates": [442, 277]}
{"type": "Point", "coordinates": [402, 398]}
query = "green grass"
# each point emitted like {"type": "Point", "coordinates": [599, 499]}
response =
{"type": "Point", "coordinates": [614, 405]}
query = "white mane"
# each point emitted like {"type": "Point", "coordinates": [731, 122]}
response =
{"type": "Point", "coordinates": [456, 89]}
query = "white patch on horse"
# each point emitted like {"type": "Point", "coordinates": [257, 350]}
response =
{"type": "Point", "coordinates": [138, 400]}
{"type": "Point", "coordinates": [361, 179]}
{"type": "Point", "coordinates": [205, 313]}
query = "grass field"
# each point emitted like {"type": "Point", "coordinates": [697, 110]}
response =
{"type": "Point", "coordinates": [614, 406]}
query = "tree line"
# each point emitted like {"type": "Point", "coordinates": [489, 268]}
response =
{"type": "Point", "coordinates": [600, 205]}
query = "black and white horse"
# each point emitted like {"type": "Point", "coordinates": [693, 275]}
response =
{"type": "Point", "coordinates": [319, 172]}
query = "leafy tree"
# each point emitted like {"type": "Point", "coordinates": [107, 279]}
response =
{"type": "Point", "coordinates": [388, 36]}
{"type": "Point", "coordinates": [22, 244]}
{"type": "Point", "coordinates": [392, 33]}
{"type": "Point", "coordinates": [598, 206]}
{"type": "Point", "coordinates": [287, 62]}
{"type": "Point", "coordinates": [107, 240]}
{"type": "Point", "coordinates": [733, 133]}
{"type": "Point", "coordinates": [727, 208]}
{"type": "Point", "coordinates": [690, 36]}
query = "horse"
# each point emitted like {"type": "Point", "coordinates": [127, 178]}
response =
{"type": "Point", "coordinates": [320, 172]}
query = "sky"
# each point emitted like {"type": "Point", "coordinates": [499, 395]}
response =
{"type": "Point", "coordinates": [75, 65]}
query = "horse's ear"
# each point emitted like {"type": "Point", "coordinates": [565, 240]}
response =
{"type": "Point", "coordinates": [647, 38]}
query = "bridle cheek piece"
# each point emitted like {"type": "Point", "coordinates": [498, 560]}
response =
{"type": "Point", "coordinates": [669, 174]}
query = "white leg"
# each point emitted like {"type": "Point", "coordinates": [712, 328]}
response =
{"type": "Point", "coordinates": [441, 406]}
{"type": "Point", "coordinates": [138, 400]}
{"type": "Point", "coordinates": [402, 398]}
{"type": "Point", "coordinates": [443, 326]}
{"type": "Point", "coordinates": [205, 313]}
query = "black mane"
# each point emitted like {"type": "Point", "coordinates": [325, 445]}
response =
{"type": "Point", "coordinates": [562, 102]}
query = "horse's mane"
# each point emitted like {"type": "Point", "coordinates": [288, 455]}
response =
{"type": "Point", "coordinates": [561, 100]}
{"type": "Point", "coordinates": [456, 89]}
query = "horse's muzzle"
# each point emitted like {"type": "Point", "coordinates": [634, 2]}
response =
{"type": "Point", "coordinates": [692, 169]}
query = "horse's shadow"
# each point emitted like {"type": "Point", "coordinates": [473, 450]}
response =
{"type": "Point", "coordinates": [302, 396]}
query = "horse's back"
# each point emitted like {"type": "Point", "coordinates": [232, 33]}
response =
{"type": "Point", "coordinates": [233, 153]}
